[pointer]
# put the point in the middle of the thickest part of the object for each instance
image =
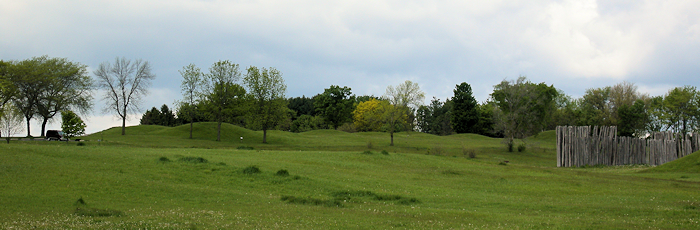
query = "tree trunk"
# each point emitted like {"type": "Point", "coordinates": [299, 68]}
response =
{"type": "Point", "coordinates": [218, 132]}
{"type": "Point", "coordinates": [43, 127]}
{"type": "Point", "coordinates": [124, 121]}
{"type": "Point", "coordinates": [392, 138]}
{"type": "Point", "coordinates": [191, 128]}
{"type": "Point", "coordinates": [123, 125]}
{"type": "Point", "coordinates": [29, 134]}
{"type": "Point", "coordinates": [264, 136]}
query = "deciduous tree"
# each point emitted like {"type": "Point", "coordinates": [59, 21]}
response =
{"type": "Point", "coordinates": [403, 100]}
{"type": "Point", "coordinates": [335, 105]}
{"type": "Point", "coordinates": [192, 82]}
{"type": "Point", "coordinates": [125, 84]}
{"type": "Point", "coordinates": [10, 121]}
{"type": "Point", "coordinates": [267, 90]}
{"type": "Point", "coordinates": [222, 90]}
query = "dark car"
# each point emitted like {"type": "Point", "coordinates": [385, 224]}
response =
{"type": "Point", "coordinates": [56, 135]}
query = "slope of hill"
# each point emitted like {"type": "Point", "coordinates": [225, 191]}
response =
{"type": "Point", "coordinates": [60, 185]}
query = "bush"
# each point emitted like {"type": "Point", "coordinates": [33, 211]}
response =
{"type": "Point", "coordinates": [81, 143]}
{"type": "Point", "coordinates": [282, 172]}
{"type": "Point", "coordinates": [347, 127]}
{"type": "Point", "coordinates": [521, 147]}
{"type": "Point", "coordinates": [251, 170]}
{"type": "Point", "coordinates": [164, 159]}
{"type": "Point", "coordinates": [471, 153]}
{"type": "Point", "coordinates": [194, 160]}
{"type": "Point", "coordinates": [385, 152]}
{"type": "Point", "coordinates": [244, 147]}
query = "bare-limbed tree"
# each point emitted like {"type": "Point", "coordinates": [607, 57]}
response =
{"type": "Point", "coordinates": [125, 84]}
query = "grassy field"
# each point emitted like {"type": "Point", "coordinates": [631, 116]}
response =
{"type": "Point", "coordinates": [156, 178]}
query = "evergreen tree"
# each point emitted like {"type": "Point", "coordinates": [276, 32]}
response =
{"type": "Point", "coordinates": [465, 114]}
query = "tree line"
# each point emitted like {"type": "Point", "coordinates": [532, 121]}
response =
{"type": "Point", "coordinates": [42, 87]}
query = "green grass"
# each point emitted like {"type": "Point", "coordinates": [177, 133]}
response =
{"type": "Point", "coordinates": [156, 178]}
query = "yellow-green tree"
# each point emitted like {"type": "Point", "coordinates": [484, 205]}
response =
{"type": "Point", "coordinates": [367, 115]}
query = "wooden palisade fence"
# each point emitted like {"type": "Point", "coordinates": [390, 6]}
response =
{"type": "Point", "coordinates": [599, 145]}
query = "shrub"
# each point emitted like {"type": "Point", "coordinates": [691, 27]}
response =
{"type": "Point", "coordinates": [164, 159]}
{"type": "Point", "coordinates": [194, 160]}
{"type": "Point", "coordinates": [521, 147]}
{"type": "Point", "coordinates": [471, 153]}
{"type": "Point", "coordinates": [244, 148]}
{"type": "Point", "coordinates": [437, 150]}
{"type": "Point", "coordinates": [385, 152]}
{"type": "Point", "coordinates": [251, 170]}
{"type": "Point", "coordinates": [81, 143]}
{"type": "Point", "coordinates": [80, 201]}
{"type": "Point", "coordinates": [347, 127]}
{"type": "Point", "coordinates": [311, 201]}
{"type": "Point", "coordinates": [282, 172]}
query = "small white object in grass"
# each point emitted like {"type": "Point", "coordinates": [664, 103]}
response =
{"type": "Point", "coordinates": [241, 138]}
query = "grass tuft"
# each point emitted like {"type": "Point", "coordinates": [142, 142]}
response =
{"type": "Point", "coordinates": [245, 148]}
{"type": "Point", "coordinates": [164, 159]}
{"type": "Point", "coordinates": [367, 152]}
{"type": "Point", "coordinates": [385, 152]}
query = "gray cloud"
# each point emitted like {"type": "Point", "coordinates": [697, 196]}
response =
{"type": "Point", "coordinates": [368, 45]}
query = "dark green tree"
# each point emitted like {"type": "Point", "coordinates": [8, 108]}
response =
{"type": "Point", "coordinates": [435, 118]}
{"type": "Point", "coordinates": [632, 119]}
{"type": "Point", "coordinates": [335, 105]}
{"type": "Point", "coordinates": [465, 112]}
{"type": "Point", "coordinates": [71, 124]}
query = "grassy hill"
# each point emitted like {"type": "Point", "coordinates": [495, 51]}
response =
{"type": "Point", "coordinates": [157, 178]}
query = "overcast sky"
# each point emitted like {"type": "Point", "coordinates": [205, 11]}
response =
{"type": "Point", "coordinates": [368, 45]}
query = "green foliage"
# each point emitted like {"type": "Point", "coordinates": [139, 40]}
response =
{"type": "Point", "coordinates": [632, 119]}
{"type": "Point", "coordinates": [680, 110]}
{"type": "Point", "coordinates": [10, 121]}
{"type": "Point", "coordinates": [384, 152]}
{"type": "Point", "coordinates": [307, 123]}
{"type": "Point", "coordinates": [301, 106]}
{"type": "Point", "coordinates": [436, 118]}
{"type": "Point", "coordinates": [71, 124]}
{"type": "Point", "coordinates": [222, 95]}
{"type": "Point", "coordinates": [164, 117]}
{"type": "Point", "coordinates": [465, 115]}
{"type": "Point", "coordinates": [367, 152]}
{"type": "Point", "coordinates": [522, 147]}
{"type": "Point", "coordinates": [164, 159]}
{"type": "Point", "coordinates": [525, 107]}
{"type": "Point", "coordinates": [266, 90]}
{"type": "Point", "coordinates": [245, 148]}
{"type": "Point", "coordinates": [335, 105]}
{"type": "Point", "coordinates": [348, 128]}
